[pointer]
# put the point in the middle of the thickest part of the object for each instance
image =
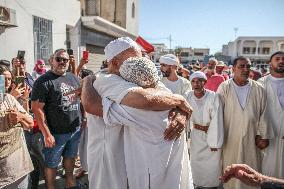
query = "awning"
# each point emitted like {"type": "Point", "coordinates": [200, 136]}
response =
{"type": "Point", "coordinates": [144, 44]}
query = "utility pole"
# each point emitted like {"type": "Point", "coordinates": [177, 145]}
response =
{"type": "Point", "coordinates": [170, 39]}
{"type": "Point", "coordinates": [236, 31]}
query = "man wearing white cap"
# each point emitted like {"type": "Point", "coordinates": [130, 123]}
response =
{"type": "Point", "coordinates": [169, 65]}
{"type": "Point", "coordinates": [106, 164]}
{"type": "Point", "coordinates": [206, 133]}
{"type": "Point", "coordinates": [151, 162]}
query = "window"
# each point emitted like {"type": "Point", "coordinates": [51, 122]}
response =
{"type": "Point", "coordinates": [282, 47]}
{"type": "Point", "coordinates": [253, 50]}
{"type": "Point", "coordinates": [42, 38]}
{"type": "Point", "coordinates": [198, 53]}
{"type": "Point", "coordinates": [184, 54]}
{"type": "Point", "coordinates": [133, 10]}
{"type": "Point", "coordinates": [246, 50]}
{"type": "Point", "coordinates": [265, 50]}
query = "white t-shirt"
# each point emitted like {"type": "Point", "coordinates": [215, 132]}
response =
{"type": "Point", "coordinates": [278, 87]}
{"type": "Point", "coordinates": [172, 85]}
{"type": "Point", "coordinates": [242, 93]}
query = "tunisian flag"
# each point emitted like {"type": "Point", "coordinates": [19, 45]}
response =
{"type": "Point", "coordinates": [143, 43]}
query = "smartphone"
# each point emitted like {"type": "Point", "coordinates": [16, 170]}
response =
{"type": "Point", "coordinates": [20, 79]}
{"type": "Point", "coordinates": [85, 55]}
{"type": "Point", "coordinates": [70, 52]}
{"type": "Point", "coordinates": [21, 55]}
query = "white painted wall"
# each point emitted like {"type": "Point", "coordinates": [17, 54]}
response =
{"type": "Point", "coordinates": [61, 12]}
{"type": "Point", "coordinates": [132, 23]}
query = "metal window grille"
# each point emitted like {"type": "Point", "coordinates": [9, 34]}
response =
{"type": "Point", "coordinates": [42, 38]}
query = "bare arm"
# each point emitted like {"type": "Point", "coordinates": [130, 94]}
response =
{"type": "Point", "coordinates": [37, 108]}
{"type": "Point", "coordinates": [151, 99]}
{"type": "Point", "coordinates": [82, 63]}
{"type": "Point", "coordinates": [91, 100]}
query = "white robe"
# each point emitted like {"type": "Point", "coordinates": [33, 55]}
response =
{"type": "Point", "coordinates": [106, 163]}
{"type": "Point", "coordinates": [205, 164]}
{"type": "Point", "coordinates": [273, 160]}
{"type": "Point", "coordinates": [241, 126]}
{"type": "Point", "coordinates": [150, 160]}
{"type": "Point", "coordinates": [182, 85]}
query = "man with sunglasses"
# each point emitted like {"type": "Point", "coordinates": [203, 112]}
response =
{"type": "Point", "coordinates": [58, 116]}
{"type": "Point", "coordinates": [246, 130]}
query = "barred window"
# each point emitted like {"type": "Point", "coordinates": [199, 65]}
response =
{"type": "Point", "coordinates": [42, 38]}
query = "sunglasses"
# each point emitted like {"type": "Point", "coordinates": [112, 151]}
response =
{"type": "Point", "coordinates": [59, 59]}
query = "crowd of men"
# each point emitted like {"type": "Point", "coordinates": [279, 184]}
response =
{"type": "Point", "coordinates": [137, 129]}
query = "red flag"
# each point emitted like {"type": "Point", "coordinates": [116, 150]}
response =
{"type": "Point", "coordinates": [143, 43]}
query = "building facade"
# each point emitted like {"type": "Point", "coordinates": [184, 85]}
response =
{"type": "Point", "coordinates": [40, 27]}
{"type": "Point", "coordinates": [257, 49]}
{"type": "Point", "coordinates": [37, 27]}
{"type": "Point", "coordinates": [190, 55]}
{"type": "Point", "coordinates": [103, 21]}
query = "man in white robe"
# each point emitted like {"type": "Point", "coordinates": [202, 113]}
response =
{"type": "Point", "coordinates": [273, 160]}
{"type": "Point", "coordinates": [206, 137]}
{"type": "Point", "coordinates": [106, 164]}
{"type": "Point", "coordinates": [245, 120]}
{"type": "Point", "coordinates": [178, 85]}
{"type": "Point", "coordinates": [151, 162]}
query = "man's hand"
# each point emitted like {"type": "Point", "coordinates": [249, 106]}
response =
{"type": "Point", "coordinates": [84, 123]}
{"type": "Point", "coordinates": [242, 172]}
{"type": "Point", "coordinates": [72, 60]}
{"type": "Point", "coordinates": [49, 141]}
{"type": "Point", "coordinates": [261, 143]}
{"type": "Point", "coordinates": [184, 106]}
{"type": "Point", "coordinates": [26, 93]}
{"type": "Point", "coordinates": [14, 116]}
{"type": "Point", "coordinates": [177, 120]}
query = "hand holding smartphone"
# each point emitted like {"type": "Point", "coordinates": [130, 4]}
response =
{"type": "Point", "coordinates": [21, 55]}
{"type": "Point", "coordinates": [85, 55]}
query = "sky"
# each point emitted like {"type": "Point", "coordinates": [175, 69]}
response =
{"type": "Point", "coordinates": [208, 23]}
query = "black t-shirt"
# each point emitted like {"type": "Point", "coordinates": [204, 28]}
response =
{"type": "Point", "coordinates": [62, 112]}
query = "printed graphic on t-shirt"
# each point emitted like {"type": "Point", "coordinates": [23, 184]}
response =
{"type": "Point", "coordinates": [68, 102]}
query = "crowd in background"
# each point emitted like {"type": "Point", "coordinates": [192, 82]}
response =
{"type": "Point", "coordinates": [237, 117]}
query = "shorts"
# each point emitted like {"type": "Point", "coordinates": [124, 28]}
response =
{"type": "Point", "coordinates": [66, 145]}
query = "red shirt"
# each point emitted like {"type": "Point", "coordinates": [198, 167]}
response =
{"type": "Point", "coordinates": [213, 81]}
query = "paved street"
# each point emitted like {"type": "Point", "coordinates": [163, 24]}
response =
{"type": "Point", "coordinates": [83, 182]}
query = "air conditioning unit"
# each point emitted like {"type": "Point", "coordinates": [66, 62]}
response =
{"type": "Point", "coordinates": [8, 17]}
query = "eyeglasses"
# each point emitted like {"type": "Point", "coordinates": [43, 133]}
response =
{"type": "Point", "coordinates": [59, 59]}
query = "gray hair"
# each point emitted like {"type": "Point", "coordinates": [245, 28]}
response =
{"type": "Point", "coordinates": [139, 70]}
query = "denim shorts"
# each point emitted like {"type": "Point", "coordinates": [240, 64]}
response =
{"type": "Point", "coordinates": [66, 145]}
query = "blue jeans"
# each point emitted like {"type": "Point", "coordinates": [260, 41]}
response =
{"type": "Point", "coordinates": [66, 145]}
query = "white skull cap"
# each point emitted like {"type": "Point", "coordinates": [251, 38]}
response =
{"type": "Point", "coordinates": [169, 59]}
{"type": "Point", "coordinates": [139, 70]}
{"type": "Point", "coordinates": [198, 74]}
{"type": "Point", "coordinates": [119, 45]}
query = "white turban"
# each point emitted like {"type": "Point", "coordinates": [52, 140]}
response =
{"type": "Point", "coordinates": [140, 71]}
{"type": "Point", "coordinates": [169, 59]}
{"type": "Point", "coordinates": [119, 45]}
{"type": "Point", "coordinates": [198, 74]}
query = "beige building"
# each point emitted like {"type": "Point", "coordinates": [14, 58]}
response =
{"type": "Point", "coordinates": [103, 21]}
{"type": "Point", "coordinates": [187, 55]}
{"type": "Point", "coordinates": [257, 49]}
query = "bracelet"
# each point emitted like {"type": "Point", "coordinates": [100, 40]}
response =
{"type": "Point", "coordinates": [84, 119]}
